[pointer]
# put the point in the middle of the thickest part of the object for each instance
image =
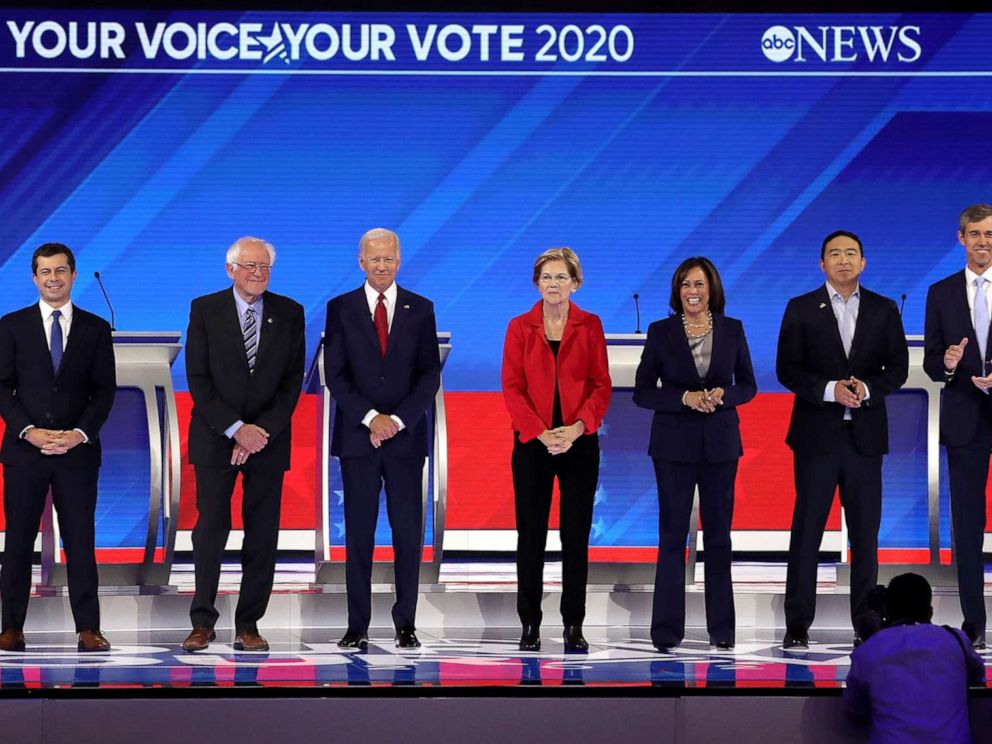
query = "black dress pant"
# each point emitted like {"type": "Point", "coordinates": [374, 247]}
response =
{"type": "Point", "coordinates": [74, 497]}
{"type": "Point", "coordinates": [260, 513]}
{"type": "Point", "coordinates": [676, 486]}
{"type": "Point", "coordinates": [363, 478]}
{"type": "Point", "coordinates": [969, 471]}
{"type": "Point", "coordinates": [534, 471]}
{"type": "Point", "coordinates": [817, 476]}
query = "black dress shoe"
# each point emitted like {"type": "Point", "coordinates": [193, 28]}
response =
{"type": "Point", "coordinates": [530, 638]}
{"type": "Point", "coordinates": [722, 645]}
{"type": "Point", "coordinates": [979, 643]}
{"type": "Point", "coordinates": [795, 641]}
{"type": "Point", "coordinates": [858, 640]}
{"type": "Point", "coordinates": [407, 639]}
{"type": "Point", "coordinates": [574, 642]}
{"type": "Point", "coordinates": [666, 648]}
{"type": "Point", "coordinates": [354, 639]}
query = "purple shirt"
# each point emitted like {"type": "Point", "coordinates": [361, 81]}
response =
{"type": "Point", "coordinates": [912, 682]}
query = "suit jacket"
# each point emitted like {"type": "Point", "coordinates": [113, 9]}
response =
{"type": "Point", "coordinates": [529, 372]}
{"type": "Point", "coordinates": [80, 396]}
{"type": "Point", "coordinates": [223, 389]}
{"type": "Point", "coordinates": [359, 379]}
{"type": "Point", "coordinates": [948, 320]}
{"type": "Point", "coordinates": [811, 353]}
{"type": "Point", "coordinates": [678, 433]}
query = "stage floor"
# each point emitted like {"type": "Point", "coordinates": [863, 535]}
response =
{"type": "Point", "coordinates": [479, 659]}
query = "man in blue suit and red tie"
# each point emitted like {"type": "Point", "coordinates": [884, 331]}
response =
{"type": "Point", "coordinates": [956, 353]}
{"type": "Point", "coordinates": [383, 369]}
{"type": "Point", "coordinates": [57, 386]}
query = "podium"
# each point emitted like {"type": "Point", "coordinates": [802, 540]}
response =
{"type": "Point", "coordinates": [138, 497]}
{"type": "Point", "coordinates": [329, 551]}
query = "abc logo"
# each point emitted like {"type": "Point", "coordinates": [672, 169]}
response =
{"type": "Point", "coordinates": [778, 43]}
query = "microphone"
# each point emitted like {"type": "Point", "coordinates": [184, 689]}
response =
{"type": "Point", "coordinates": [637, 309]}
{"type": "Point", "coordinates": [113, 322]}
{"type": "Point", "coordinates": [902, 304]}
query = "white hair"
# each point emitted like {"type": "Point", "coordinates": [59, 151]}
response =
{"type": "Point", "coordinates": [374, 234]}
{"type": "Point", "coordinates": [234, 252]}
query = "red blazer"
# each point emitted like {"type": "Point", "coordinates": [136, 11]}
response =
{"type": "Point", "coordinates": [529, 372]}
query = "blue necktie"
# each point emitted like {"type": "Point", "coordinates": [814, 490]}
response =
{"type": "Point", "coordinates": [981, 319]}
{"type": "Point", "coordinates": [56, 341]}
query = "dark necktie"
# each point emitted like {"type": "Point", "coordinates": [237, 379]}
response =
{"type": "Point", "coordinates": [381, 323]}
{"type": "Point", "coordinates": [251, 337]}
{"type": "Point", "coordinates": [56, 341]}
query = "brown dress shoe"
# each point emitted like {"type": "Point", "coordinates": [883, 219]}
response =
{"type": "Point", "coordinates": [250, 640]}
{"type": "Point", "coordinates": [199, 638]}
{"type": "Point", "coordinates": [12, 640]}
{"type": "Point", "coordinates": [92, 640]}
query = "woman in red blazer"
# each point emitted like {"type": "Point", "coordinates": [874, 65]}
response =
{"type": "Point", "coordinates": [556, 384]}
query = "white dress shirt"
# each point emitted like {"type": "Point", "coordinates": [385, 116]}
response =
{"type": "Point", "coordinates": [389, 300]}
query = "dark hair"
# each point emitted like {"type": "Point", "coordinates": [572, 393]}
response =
{"type": "Point", "coordinates": [908, 597]}
{"type": "Point", "coordinates": [52, 249]}
{"type": "Point", "coordinates": [840, 234]}
{"type": "Point", "coordinates": [718, 300]}
{"type": "Point", "coordinates": [974, 213]}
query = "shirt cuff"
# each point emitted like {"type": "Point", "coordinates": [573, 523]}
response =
{"type": "Point", "coordinates": [231, 430]}
{"type": "Point", "coordinates": [867, 391]}
{"type": "Point", "coordinates": [399, 421]}
{"type": "Point", "coordinates": [829, 392]}
{"type": "Point", "coordinates": [369, 416]}
{"type": "Point", "coordinates": [86, 439]}
{"type": "Point", "coordinates": [25, 431]}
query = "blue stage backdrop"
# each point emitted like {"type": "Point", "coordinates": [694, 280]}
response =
{"type": "Point", "coordinates": [149, 141]}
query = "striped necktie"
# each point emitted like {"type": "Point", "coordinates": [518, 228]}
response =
{"type": "Point", "coordinates": [251, 337]}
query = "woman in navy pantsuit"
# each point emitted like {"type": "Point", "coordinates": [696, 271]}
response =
{"type": "Point", "coordinates": [701, 358]}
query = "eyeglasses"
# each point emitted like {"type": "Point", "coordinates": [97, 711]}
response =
{"type": "Point", "coordinates": [556, 279]}
{"type": "Point", "coordinates": [61, 272]}
{"type": "Point", "coordinates": [376, 260]}
{"type": "Point", "coordinates": [251, 267]}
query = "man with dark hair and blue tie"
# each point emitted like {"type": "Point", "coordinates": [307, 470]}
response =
{"type": "Point", "coordinates": [841, 350]}
{"type": "Point", "coordinates": [245, 349]}
{"type": "Point", "coordinates": [57, 385]}
{"type": "Point", "coordinates": [956, 353]}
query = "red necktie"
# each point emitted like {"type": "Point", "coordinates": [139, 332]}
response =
{"type": "Point", "coordinates": [381, 323]}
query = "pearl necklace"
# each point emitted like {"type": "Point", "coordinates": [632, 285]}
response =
{"type": "Point", "coordinates": [706, 327]}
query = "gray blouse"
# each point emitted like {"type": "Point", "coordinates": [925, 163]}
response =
{"type": "Point", "coordinates": [702, 351]}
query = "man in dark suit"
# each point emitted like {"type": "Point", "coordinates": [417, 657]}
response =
{"type": "Point", "coordinates": [382, 367]}
{"type": "Point", "coordinates": [841, 350]}
{"type": "Point", "coordinates": [245, 350]}
{"type": "Point", "coordinates": [956, 353]}
{"type": "Point", "coordinates": [57, 384]}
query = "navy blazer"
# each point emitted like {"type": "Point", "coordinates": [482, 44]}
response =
{"type": "Point", "coordinates": [223, 389]}
{"type": "Point", "coordinates": [403, 383]}
{"type": "Point", "coordinates": [948, 320]}
{"type": "Point", "coordinates": [811, 353]}
{"type": "Point", "coordinates": [80, 396]}
{"type": "Point", "coordinates": [678, 433]}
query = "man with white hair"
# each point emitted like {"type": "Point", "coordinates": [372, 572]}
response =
{"type": "Point", "coordinates": [245, 349]}
{"type": "Point", "coordinates": [383, 369]}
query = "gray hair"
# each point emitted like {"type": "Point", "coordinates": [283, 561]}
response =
{"type": "Point", "coordinates": [374, 234]}
{"type": "Point", "coordinates": [234, 252]}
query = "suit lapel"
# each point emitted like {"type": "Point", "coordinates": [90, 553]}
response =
{"type": "Point", "coordinates": [401, 314]}
{"type": "Point", "coordinates": [230, 323]}
{"type": "Point", "coordinates": [268, 326]}
{"type": "Point", "coordinates": [827, 321]}
{"type": "Point", "coordinates": [360, 306]}
{"type": "Point", "coordinates": [719, 349]}
{"type": "Point", "coordinates": [77, 329]}
{"type": "Point", "coordinates": [679, 342]}
{"type": "Point", "coordinates": [37, 331]}
{"type": "Point", "coordinates": [864, 318]}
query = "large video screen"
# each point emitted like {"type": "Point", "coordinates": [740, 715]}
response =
{"type": "Point", "coordinates": [150, 141]}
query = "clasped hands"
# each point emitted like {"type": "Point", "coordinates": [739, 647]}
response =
{"type": "Point", "coordinates": [850, 392]}
{"type": "Point", "coordinates": [381, 428]}
{"type": "Point", "coordinates": [53, 441]}
{"type": "Point", "coordinates": [249, 439]}
{"type": "Point", "coordinates": [953, 355]}
{"type": "Point", "coordinates": [560, 440]}
{"type": "Point", "coordinates": [704, 401]}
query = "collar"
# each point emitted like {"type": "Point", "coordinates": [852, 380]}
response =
{"type": "Point", "coordinates": [834, 293]}
{"type": "Point", "coordinates": [372, 295]}
{"type": "Point", "coordinates": [47, 310]}
{"type": "Point", "coordinates": [971, 276]}
{"type": "Point", "coordinates": [243, 306]}
{"type": "Point", "coordinates": [576, 315]}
